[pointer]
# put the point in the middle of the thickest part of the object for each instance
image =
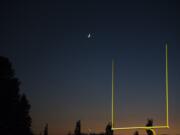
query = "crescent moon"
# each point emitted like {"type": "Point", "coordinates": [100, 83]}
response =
{"type": "Point", "coordinates": [89, 35]}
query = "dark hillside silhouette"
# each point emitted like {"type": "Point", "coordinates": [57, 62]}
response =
{"type": "Point", "coordinates": [14, 114]}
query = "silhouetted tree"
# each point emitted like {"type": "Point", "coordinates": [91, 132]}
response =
{"type": "Point", "coordinates": [136, 133]}
{"type": "Point", "coordinates": [77, 130]}
{"type": "Point", "coordinates": [109, 130]}
{"type": "Point", "coordinates": [14, 114]}
{"type": "Point", "coordinates": [46, 130]}
{"type": "Point", "coordinates": [69, 133]}
{"type": "Point", "coordinates": [149, 124]}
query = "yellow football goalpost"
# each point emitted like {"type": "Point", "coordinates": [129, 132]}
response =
{"type": "Point", "coordinates": [142, 127]}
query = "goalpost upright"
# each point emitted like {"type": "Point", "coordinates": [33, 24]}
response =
{"type": "Point", "coordinates": [166, 94]}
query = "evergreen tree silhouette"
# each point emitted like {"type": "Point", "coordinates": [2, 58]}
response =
{"type": "Point", "coordinates": [77, 130]}
{"type": "Point", "coordinates": [46, 130]}
{"type": "Point", "coordinates": [136, 133]}
{"type": "Point", "coordinates": [149, 124]}
{"type": "Point", "coordinates": [14, 114]}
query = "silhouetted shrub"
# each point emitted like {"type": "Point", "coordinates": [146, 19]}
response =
{"type": "Point", "coordinates": [149, 124]}
{"type": "Point", "coordinates": [77, 130]}
{"type": "Point", "coordinates": [109, 130]}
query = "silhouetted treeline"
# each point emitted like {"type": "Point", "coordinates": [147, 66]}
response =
{"type": "Point", "coordinates": [77, 131]}
{"type": "Point", "coordinates": [108, 129]}
{"type": "Point", "coordinates": [14, 107]}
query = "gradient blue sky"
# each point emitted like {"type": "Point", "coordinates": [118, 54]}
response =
{"type": "Point", "coordinates": [67, 76]}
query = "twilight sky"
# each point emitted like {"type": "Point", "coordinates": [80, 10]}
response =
{"type": "Point", "coordinates": [67, 76]}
